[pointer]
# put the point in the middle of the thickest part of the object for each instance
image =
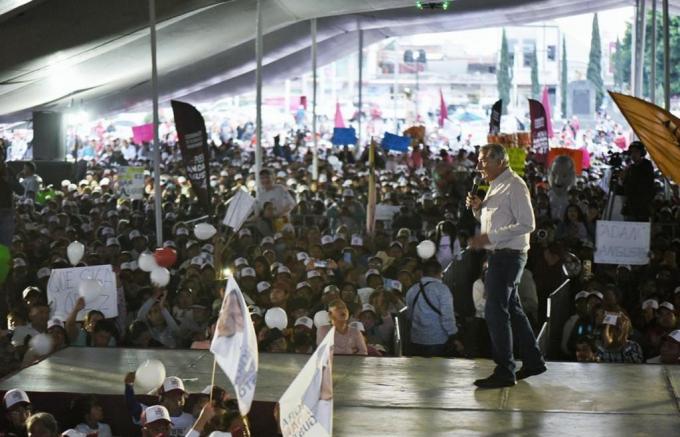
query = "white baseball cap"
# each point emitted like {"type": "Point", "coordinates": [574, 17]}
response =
{"type": "Point", "coordinates": [197, 261]}
{"type": "Point", "coordinates": [581, 295]}
{"type": "Point", "coordinates": [283, 269]}
{"type": "Point", "coordinates": [357, 325]}
{"type": "Point", "coordinates": [248, 272]}
{"type": "Point", "coordinates": [134, 234]}
{"type": "Point", "coordinates": [331, 289]}
{"type": "Point", "coordinates": [371, 272]}
{"type": "Point", "coordinates": [72, 433]}
{"type": "Point", "coordinates": [245, 232]}
{"type": "Point", "coordinates": [313, 274]}
{"type": "Point", "coordinates": [44, 273]}
{"type": "Point", "coordinates": [348, 192]}
{"type": "Point", "coordinates": [597, 294]}
{"type": "Point", "coordinates": [154, 414]}
{"type": "Point", "coordinates": [669, 306]}
{"type": "Point", "coordinates": [650, 303]}
{"type": "Point", "coordinates": [302, 256]}
{"type": "Point", "coordinates": [55, 322]}
{"type": "Point", "coordinates": [263, 286]}
{"type": "Point", "coordinates": [19, 262]}
{"type": "Point", "coordinates": [113, 241]}
{"type": "Point", "coordinates": [302, 284]}
{"type": "Point", "coordinates": [326, 239]}
{"type": "Point", "coordinates": [173, 383]}
{"type": "Point", "coordinates": [675, 335]}
{"type": "Point", "coordinates": [267, 240]}
{"type": "Point", "coordinates": [253, 309]}
{"type": "Point", "coordinates": [238, 262]}
{"type": "Point", "coordinates": [182, 231]}
{"type": "Point", "coordinates": [357, 240]}
{"type": "Point", "coordinates": [368, 307]}
{"type": "Point", "coordinates": [15, 396]}
{"type": "Point", "coordinates": [304, 321]}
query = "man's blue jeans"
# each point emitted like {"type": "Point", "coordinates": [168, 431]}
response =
{"type": "Point", "coordinates": [505, 316]}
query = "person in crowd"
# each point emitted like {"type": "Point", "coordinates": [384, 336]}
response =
{"type": "Point", "coordinates": [17, 411]}
{"type": "Point", "coordinates": [281, 200]}
{"type": "Point", "coordinates": [431, 313]}
{"type": "Point", "coordinates": [348, 339]}
{"type": "Point", "coordinates": [172, 397]}
{"type": "Point", "coordinates": [90, 415]}
{"type": "Point", "coordinates": [30, 181]}
{"type": "Point", "coordinates": [9, 186]}
{"type": "Point", "coordinates": [42, 425]}
{"type": "Point", "coordinates": [615, 346]}
{"type": "Point", "coordinates": [638, 184]}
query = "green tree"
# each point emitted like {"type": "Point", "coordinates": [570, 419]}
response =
{"type": "Point", "coordinates": [594, 73]}
{"type": "Point", "coordinates": [535, 86]}
{"type": "Point", "coordinates": [503, 80]}
{"type": "Point", "coordinates": [619, 68]}
{"type": "Point", "coordinates": [564, 80]}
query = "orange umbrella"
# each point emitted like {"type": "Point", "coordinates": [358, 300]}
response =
{"type": "Point", "coordinates": [658, 129]}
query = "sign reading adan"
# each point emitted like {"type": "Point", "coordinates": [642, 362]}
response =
{"type": "Point", "coordinates": [63, 291]}
{"type": "Point", "coordinates": [622, 242]}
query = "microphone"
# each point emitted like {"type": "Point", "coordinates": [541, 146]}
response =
{"type": "Point", "coordinates": [475, 186]}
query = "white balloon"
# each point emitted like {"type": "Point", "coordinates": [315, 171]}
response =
{"type": "Point", "coordinates": [204, 231]}
{"type": "Point", "coordinates": [149, 375]}
{"type": "Point", "coordinates": [321, 318]}
{"type": "Point", "coordinates": [160, 276]}
{"type": "Point", "coordinates": [426, 249]}
{"type": "Point", "coordinates": [41, 344]}
{"type": "Point", "coordinates": [147, 262]}
{"type": "Point", "coordinates": [75, 252]}
{"type": "Point", "coordinates": [89, 289]}
{"type": "Point", "coordinates": [276, 318]}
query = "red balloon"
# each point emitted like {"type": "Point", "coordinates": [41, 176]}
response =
{"type": "Point", "coordinates": [165, 257]}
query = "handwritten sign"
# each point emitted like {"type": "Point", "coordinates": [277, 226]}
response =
{"type": "Point", "coordinates": [62, 291]}
{"type": "Point", "coordinates": [131, 182]}
{"type": "Point", "coordinates": [622, 242]}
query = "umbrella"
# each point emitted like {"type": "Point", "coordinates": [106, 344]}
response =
{"type": "Point", "coordinates": [658, 129]}
{"type": "Point", "coordinates": [468, 117]}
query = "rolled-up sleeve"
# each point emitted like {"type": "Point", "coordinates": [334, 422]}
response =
{"type": "Point", "coordinates": [522, 213]}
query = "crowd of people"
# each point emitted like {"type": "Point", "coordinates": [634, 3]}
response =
{"type": "Point", "coordinates": [305, 250]}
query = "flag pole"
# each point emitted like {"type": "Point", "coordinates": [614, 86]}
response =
{"type": "Point", "coordinates": [212, 379]}
{"type": "Point", "coordinates": [156, 143]}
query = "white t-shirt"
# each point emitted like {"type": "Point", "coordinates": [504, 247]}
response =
{"type": "Point", "coordinates": [103, 430]}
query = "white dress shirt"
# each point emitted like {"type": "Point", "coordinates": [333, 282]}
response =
{"type": "Point", "coordinates": [506, 215]}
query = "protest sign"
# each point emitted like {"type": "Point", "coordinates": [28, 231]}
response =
{"type": "Point", "coordinates": [622, 242]}
{"type": "Point", "coordinates": [131, 182]}
{"type": "Point", "coordinates": [240, 206]}
{"type": "Point", "coordinates": [63, 291]}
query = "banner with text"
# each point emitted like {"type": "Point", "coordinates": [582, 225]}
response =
{"type": "Point", "coordinates": [131, 182]}
{"type": "Point", "coordinates": [495, 118]}
{"type": "Point", "coordinates": [193, 143]}
{"type": "Point", "coordinates": [539, 130]}
{"type": "Point", "coordinates": [307, 405]}
{"type": "Point", "coordinates": [63, 290]}
{"type": "Point", "coordinates": [622, 242]}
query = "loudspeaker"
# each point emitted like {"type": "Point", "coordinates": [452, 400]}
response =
{"type": "Point", "coordinates": [48, 136]}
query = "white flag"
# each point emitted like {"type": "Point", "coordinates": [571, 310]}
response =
{"type": "Point", "coordinates": [240, 206]}
{"type": "Point", "coordinates": [306, 408]}
{"type": "Point", "coordinates": [235, 345]}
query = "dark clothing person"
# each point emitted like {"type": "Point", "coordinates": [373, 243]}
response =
{"type": "Point", "coordinates": [9, 185]}
{"type": "Point", "coordinates": [638, 187]}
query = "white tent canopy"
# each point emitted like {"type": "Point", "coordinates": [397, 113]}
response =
{"type": "Point", "coordinates": [97, 52]}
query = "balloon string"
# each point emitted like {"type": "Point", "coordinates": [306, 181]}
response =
{"type": "Point", "coordinates": [212, 381]}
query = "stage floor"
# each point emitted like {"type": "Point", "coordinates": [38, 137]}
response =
{"type": "Point", "coordinates": [413, 396]}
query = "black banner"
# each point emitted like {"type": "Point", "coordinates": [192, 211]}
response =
{"type": "Point", "coordinates": [193, 143]}
{"type": "Point", "coordinates": [539, 130]}
{"type": "Point", "coordinates": [495, 120]}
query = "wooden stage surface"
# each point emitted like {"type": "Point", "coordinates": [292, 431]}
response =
{"type": "Point", "coordinates": [412, 396]}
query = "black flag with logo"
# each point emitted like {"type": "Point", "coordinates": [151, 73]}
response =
{"type": "Point", "coordinates": [193, 143]}
{"type": "Point", "coordinates": [495, 119]}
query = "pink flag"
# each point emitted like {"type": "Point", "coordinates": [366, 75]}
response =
{"type": "Point", "coordinates": [545, 99]}
{"type": "Point", "coordinates": [443, 112]}
{"type": "Point", "coordinates": [142, 133]}
{"type": "Point", "coordinates": [339, 121]}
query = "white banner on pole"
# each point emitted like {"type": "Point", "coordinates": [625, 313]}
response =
{"type": "Point", "coordinates": [235, 345]}
{"type": "Point", "coordinates": [63, 291]}
{"type": "Point", "coordinates": [239, 208]}
{"type": "Point", "coordinates": [622, 242]}
{"type": "Point", "coordinates": [307, 405]}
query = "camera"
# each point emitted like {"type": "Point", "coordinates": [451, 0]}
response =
{"type": "Point", "coordinates": [541, 234]}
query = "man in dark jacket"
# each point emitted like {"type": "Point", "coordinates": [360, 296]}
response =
{"type": "Point", "coordinates": [638, 184]}
{"type": "Point", "coordinates": [8, 186]}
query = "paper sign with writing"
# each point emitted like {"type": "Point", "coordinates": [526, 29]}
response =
{"type": "Point", "coordinates": [622, 242]}
{"type": "Point", "coordinates": [131, 182]}
{"type": "Point", "coordinates": [63, 291]}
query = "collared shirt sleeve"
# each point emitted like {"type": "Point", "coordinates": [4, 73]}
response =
{"type": "Point", "coordinates": [522, 212]}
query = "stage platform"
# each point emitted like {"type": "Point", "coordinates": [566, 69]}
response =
{"type": "Point", "coordinates": [412, 396]}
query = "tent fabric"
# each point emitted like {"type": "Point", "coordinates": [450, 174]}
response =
{"type": "Point", "coordinates": [96, 54]}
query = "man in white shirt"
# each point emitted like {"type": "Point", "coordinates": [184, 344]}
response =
{"type": "Point", "coordinates": [507, 219]}
{"type": "Point", "coordinates": [277, 194]}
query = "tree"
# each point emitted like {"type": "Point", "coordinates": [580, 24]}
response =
{"type": "Point", "coordinates": [594, 73]}
{"type": "Point", "coordinates": [535, 86]}
{"type": "Point", "coordinates": [564, 82]}
{"type": "Point", "coordinates": [503, 80]}
{"type": "Point", "coordinates": [619, 69]}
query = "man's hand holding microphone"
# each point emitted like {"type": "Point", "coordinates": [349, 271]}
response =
{"type": "Point", "coordinates": [474, 204]}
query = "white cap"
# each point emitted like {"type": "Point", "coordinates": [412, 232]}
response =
{"type": "Point", "coordinates": [72, 433]}
{"type": "Point", "coordinates": [371, 272]}
{"type": "Point", "coordinates": [650, 303]}
{"type": "Point", "coordinates": [267, 240]}
{"type": "Point", "coordinates": [238, 262]}
{"type": "Point", "coordinates": [134, 234]}
{"type": "Point", "coordinates": [248, 272]}
{"type": "Point", "coordinates": [209, 248]}
{"type": "Point", "coordinates": [15, 396]}
{"type": "Point", "coordinates": [302, 285]}
{"type": "Point", "coordinates": [263, 286]}
{"type": "Point", "coordinates": [278, 236]}
{"type": "Point", "coordinates": [581, 295]}
{"type": "Point", "coordinates": [675, 335]}
{"type": "Point", "coordinates": [393, 284]}
{"type": "Point", "coordinates": [197, 261]}
{"type": "Point", "coordinates": [173, 383]}
{"type": "Point", "coordinates": [255, 310]}
{"type": "Point", "coordinates": [357, 325]}
{"type": "Point", "coordinates": [368, 307]}
{"type": "Point", "coordinates": [326, 239]}
{"type": "Point", "coordinates": [19, 262]}
{"type": "Point", "coordinates": [44, 273]}
{"type": "Point", "coordinates": [283, 269]}
{"type": "Point", "coordinates": [126, 266]}
{"type": "Point", "coordinates": [54, 322]}
{"type": "Point", "coordinates": [331, 289]}
{"type": "Point", "coordinates": [245, 232]}
{"type": "Point", "coordinates": [596, 293]}
{"type": "Point", "coordinates": [113, 241]}
{"type": "Point", "coordinates": [347, 192]}
{"type": "Point", "coordinates": [104, 181]}
{"type": "Point", "coordinates": [154, 414]}
{"type": "Point", "coordinates": [182, 231]}
{"type": "Point", "coordinates": [302, 256]}
{"type": "Point", "coordinates": [669, 306]}
{"type": "Point", "coordinates": [313, 274]}
{"type": "Point", "coordinates": [357, 240]}
{"type": "Point", "coordinates": [304, 321]}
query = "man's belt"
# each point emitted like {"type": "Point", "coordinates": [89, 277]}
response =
{"type": "Point", "coordinates": [507, 251]}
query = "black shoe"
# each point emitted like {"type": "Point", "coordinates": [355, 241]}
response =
{"type": "Point", "coordinates": [494, 381]}
{"type": "Point", "coordinates": [524, 373]}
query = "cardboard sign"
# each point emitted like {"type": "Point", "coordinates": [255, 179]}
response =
{"type": "Point", "coordinates": [622, 242]}
{"type": "Point", "coordinates": [131, 182]}
{"type": "Point", "coordinates": [63, 291]}
{"type": "Point", "coordinates": [518, 158]}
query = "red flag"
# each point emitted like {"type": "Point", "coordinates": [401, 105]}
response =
{"type": "Point", "coordinates": [339, 121]}
{"type": "Point", "coordinates": [545, 99]}
{"type": "Point", "coordinates": [443, 112]}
